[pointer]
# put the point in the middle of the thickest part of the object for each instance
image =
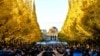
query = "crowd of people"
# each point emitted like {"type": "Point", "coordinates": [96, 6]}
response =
{"type": "Point", "coordinates": [48, 50]}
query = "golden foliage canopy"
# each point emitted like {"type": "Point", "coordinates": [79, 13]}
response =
{"type": "Point", "coordinates": [17, 21]}
{"type": "Point", "coordinates": [83, 20]}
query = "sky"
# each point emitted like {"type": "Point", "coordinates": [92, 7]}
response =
{"type": "Point", "coordinates": [51, 13]}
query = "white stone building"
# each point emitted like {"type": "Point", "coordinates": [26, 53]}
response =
{"type": "Point", "coordinates": [51, 35]}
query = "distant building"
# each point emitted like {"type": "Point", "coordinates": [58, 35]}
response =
{"type": "Point", "coordinates": [51, 35]}
{"type": "Point", "coordinates": [44, 31]}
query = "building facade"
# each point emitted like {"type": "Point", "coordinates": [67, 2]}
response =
{"type": "Point", "coordinates": [51, 35]}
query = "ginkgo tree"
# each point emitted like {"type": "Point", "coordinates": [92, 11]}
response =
{"type": "Point", "coordinates": [18, 23]}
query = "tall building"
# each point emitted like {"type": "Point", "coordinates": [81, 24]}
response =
{"type": "Point", "coordinates": [44, 31]}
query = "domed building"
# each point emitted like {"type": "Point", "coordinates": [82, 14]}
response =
{"type": "Point", "coordinates": [51, 35]}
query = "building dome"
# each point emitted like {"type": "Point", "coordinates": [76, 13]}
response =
{"type": "Point", "coordinates": [52, 34]}
{"type": "Point", "coordinates": [53, 29]}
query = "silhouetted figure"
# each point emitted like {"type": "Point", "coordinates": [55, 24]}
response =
{"type": "Point", "coordinates": [67, 52]}
{"type": "Point", "coordinates": [48, 52]}
{"type": "Point", "coordinates": [98, 52]}
{"type": "Point", "coordinates": [86, 52]}
{"type": "Point", "coordinates": [2, 53]}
